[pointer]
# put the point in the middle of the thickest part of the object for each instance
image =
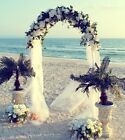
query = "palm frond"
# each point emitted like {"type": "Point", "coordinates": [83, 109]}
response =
{"type": "Point", "coordinates": [25, 68]}
{"type": "Point", "coordinates": [5, 74]}
{"type": "Point", "coordinates": [8, 63]}
{"type": "Point", "coordinates": [100, 78]}
{"type": "Point", "coordinates": [7, 67]}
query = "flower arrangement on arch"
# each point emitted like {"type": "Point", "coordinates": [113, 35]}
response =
{"type": "Point", "coordinates": [76, 19]}
{"type": "Point", "coordinates": [86, 129]}
{"type": "Point", "coordinates": [17, 113]}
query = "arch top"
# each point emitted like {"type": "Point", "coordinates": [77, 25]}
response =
{"type": "Point", "coordinates": [48, 19]}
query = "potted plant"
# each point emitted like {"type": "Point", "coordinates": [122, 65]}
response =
{"type": "Point", "coordinates": [101, 79]}
{"type": "Point", "coordinates": [20, 67]}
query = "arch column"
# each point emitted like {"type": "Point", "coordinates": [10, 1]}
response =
{"type": "Point", "coordinates": [93, 55]}
{"type": "Point", "coordinates": [39, 106]}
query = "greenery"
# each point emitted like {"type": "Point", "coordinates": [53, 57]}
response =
{"type": "Point", "coordinates": [101, 79]}
{"type": "Point", "coordinates": [10, 67]}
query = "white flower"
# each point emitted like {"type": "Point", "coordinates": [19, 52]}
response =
{"type": "Point", "coordinates": [85, 21]}
{"type": "Point", "coordinates": [66, 10]}
{"type": "Point", "coordinates": [59, 17]}
{"type": "Point", "coordinates": [93, 125]}
{"type": "Point", "coordinates": [77, 18]}
{"type": "Point", "coordinates": [63, 9]}
{"type": "Point", "coordinates": [15, 106]}
{"type": "Point", "coordinates": [88, 36]}
{"type": "Point", "coordinates": [42, 24]}
{"type": "Point", "coordinates": [9, 114]}
{"type": "Point", "coordinates": [47, 19]}
{"type": "Point", "coordinates": [83, 129]}
{"type": "Point", "coordinates": [52, 13]}
{"type": "Point", "coordinates": [14, 116]}
{"type": "Point", "coordinates": [58, 12]}
{"type": "Point", "coordinates": [22, 106]}
{"type": "Point", "coordinates": [87, 136]}
{"type": "Point", "coordinates": [36, 27]}
{"type": "Point", "coordinates": [89, 29]}
{"type": "Point", "coordinates": [93, 130]}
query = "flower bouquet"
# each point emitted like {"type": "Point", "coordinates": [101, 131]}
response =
{"type": "Point", "coordinates": [17, 113]}
{"type": "Point", "coordinates": [86, 129]}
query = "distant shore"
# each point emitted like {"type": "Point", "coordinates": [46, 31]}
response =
{"type": "Point", "coordinates": [113, 64]}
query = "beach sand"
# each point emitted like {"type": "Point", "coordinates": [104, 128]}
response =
{"type": "Point", "coordinates": [56, 78]}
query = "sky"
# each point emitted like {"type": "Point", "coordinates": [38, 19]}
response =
{"type": "Point", "coordinates": [17, 15]}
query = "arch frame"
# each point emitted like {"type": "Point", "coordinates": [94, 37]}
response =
{"type": "Point", "coordinates": [48, 19]}
{"type": "Point", "coordinates": [37, 33]}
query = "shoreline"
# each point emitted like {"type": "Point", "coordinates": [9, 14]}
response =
{"type": "Point", "coordinates": [47, 58]}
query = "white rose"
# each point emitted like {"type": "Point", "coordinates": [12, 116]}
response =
{"type": "Point", "coordinates": [14, 116]}
{"type": "Point", "coordinates": [89, 36]}
{"type": "Point", "coordinates": [63, 9]}
{"type": "Point", "coordinates": [47, 19]}
{"type": "Point", "coordinates": [59, 17]}
{"type": "Point", "coordinates": [42, 24]}
{"type": "Point", "coordinates": [36, 33]}
{"type": "Point", "coordinates": [77, 18]}
{"type": "Point", "coordinates": [52, 13]}
{"type": "Point", "coordinates": [36, 27]}
{"type": "Point", "coordinates": [66, 10]}
{"type": "Point", "coordinates": [48, 26]}
{"type": "Point", "coordinates": [80, 16]}
{"type": "Point", "coordinates": [16, 106]}
{"type": "Point", "coordinates": [91, 43]}
{"type": "Point", "coordinates": [88, 29]}
{"type": "Point", "coordinates": [85, 21]}
{"type": "Point", "coordinates": [58, 12]}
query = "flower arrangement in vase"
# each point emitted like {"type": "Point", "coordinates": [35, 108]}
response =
{"type": "Point", "coordinates": [17, 113]}
{"type": "Point", "coordinates": [86, 129]}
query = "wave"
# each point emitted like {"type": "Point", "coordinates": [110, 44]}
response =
{"type": "Point", "coordinates": [113, 49]}
{"type": "Point", "coordinates": [65, 49]}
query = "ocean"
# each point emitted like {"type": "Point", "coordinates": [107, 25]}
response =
{"type": "Point", "coordinates": [68, 48]}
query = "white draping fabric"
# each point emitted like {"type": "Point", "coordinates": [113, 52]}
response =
{"type": "Point", "coordinates": [39, 105]}
{"type": "Point", "coordinates": [93, 55]}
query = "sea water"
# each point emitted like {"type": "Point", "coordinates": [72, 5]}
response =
{"type": "Point", "coordinates": [67, 48]}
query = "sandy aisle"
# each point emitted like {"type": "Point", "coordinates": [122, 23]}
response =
{"type": "Point", "coordinates": [56, 77]}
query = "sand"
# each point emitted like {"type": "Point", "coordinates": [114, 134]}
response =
{"type": "Point", "coordinates": [56, 78]}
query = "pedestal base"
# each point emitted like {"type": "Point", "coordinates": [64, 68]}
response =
{"type": "Point", "coordinates": [107, 133]}
{"type": "Point", "coordinates": [18, 97]}
{"type": "Point", "coordinates": [105, 115]}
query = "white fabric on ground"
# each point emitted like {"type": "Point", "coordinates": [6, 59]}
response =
{"type": "Point", "coordinates": [69, 100]}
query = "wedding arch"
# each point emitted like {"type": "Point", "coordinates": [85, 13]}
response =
{"type": "Point", "coordinates": [36, 35]}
